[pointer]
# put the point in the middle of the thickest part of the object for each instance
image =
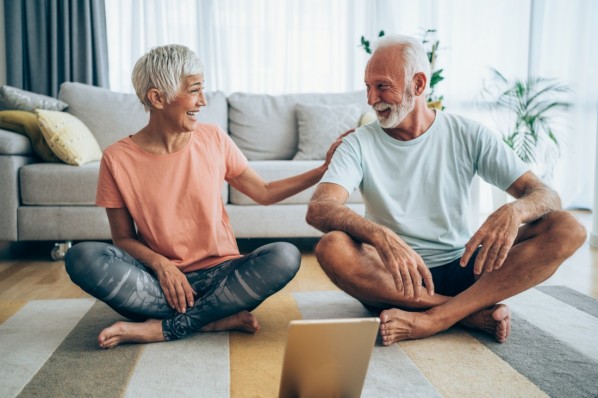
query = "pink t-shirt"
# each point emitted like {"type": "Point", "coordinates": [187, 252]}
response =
{"type": "Point", "coordinates": [176, 199]}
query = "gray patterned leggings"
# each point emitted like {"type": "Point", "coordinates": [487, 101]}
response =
{"type": "Point", "coordinates": [125, 284]}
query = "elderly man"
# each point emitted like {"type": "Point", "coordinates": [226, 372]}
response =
{"type": "Point", "coordinates": [413, 256]}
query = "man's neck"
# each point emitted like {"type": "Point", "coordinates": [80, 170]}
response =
{"type": "Point", "coordinates": [416, 123]}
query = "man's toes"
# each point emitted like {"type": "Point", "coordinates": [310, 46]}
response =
{"type": "Point", "coordinates": [501, 312]}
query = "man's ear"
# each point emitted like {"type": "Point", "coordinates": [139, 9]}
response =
{"type": "Point", "coordinates": [156, 98]}
{"type": "Point", "coordinates": [419, 83]}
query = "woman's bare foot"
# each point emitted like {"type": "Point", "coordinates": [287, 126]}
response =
{"type": "Point", "coordinates": [243, 321]}
{"type": "Point", "coordinates": [149, 331]}
{"type": "Point", "coordinates": [397, 325]}
{"type": "Point", "coordinates": [495, 320]}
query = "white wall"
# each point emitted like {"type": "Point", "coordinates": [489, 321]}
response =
{"type": "Point", "coordinates": [2, 46]}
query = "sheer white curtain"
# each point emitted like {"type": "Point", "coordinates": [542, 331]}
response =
{"type": "Point", "coordinates": [291, 46]}
{"type": "Point", "coordinates": [266, 46]}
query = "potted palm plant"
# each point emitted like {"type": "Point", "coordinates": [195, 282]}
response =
{"type": "Point", "coordinates": [431, 44]}
{"type": "Point", "coordinates": [534, 106]}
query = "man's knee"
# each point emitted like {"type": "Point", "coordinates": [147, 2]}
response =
{"type": "Point", "coordinates": [331, 244]}
{"type": "Point", "coordinates": [568, 231]}
{"type": "Point", "coordinates": [328, 252]}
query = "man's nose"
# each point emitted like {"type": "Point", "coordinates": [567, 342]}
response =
{"type": "Point", "coordinates": [373, 97]}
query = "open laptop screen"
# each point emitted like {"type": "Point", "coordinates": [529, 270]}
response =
{"type": "Point", "coordinates": [327, 357]}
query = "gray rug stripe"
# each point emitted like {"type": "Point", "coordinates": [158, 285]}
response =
{"type": "Point", "coordinates": [30, 336]}
{"type": "Point", "coordinates": [197, 366]}
{"type": "Point", "coordinates": [79, 368]}
{"type": "Point", "coordinates": [391, 372]}
{"type": "Point", "coordinates": [549, 363]}
{"type": "Point", "coordinates": [563, 321]}
{"type": "Point", "coordinates": [573, 298]}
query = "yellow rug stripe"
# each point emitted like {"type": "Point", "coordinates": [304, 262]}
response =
{"type": "Point", "coordinates": [9, 308]}
{"type": "Point", "coordinates": [460, 366]}
{"type": "Point", "coordinates": [256, 360]}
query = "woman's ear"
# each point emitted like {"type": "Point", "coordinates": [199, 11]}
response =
{"type": "Point", "coordinates": [156, 98]}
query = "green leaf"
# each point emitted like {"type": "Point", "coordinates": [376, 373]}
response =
{"type": "Point", "coordinates": [534, 103]}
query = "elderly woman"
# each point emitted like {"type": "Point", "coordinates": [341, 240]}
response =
{"type": "Point", "coordinates": [175, 263]}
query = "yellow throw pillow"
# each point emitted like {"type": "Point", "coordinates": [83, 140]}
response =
{"type": "Point", "coordinates": [68, 137]}
{"type": "Point", "coordinates": [25, 123]}
{"type": "Point", "coordinates": [367, 118]}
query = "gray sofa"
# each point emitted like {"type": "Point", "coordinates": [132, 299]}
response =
{"type": "Point", "coordinates": [55, 201]}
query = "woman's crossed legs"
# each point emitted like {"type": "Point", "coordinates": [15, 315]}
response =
{"type": "Point", "coordinates": [226, 292]}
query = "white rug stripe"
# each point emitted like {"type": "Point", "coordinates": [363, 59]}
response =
{"type": "Point", "coordinates": [30, 336]}
{"type": "Point", "coordinates": [197, 366]}
{"type": "Point", "coordinates": [408, 381]}
{"type": "Point", "coordinates": [543, 311]}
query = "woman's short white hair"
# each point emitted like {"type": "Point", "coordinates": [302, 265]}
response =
{"type": "Point", "coordinates": [164, 68]}
{"type": "Point", "coordinates": [414, 55]}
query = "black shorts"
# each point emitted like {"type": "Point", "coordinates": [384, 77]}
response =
{"type": "Point", "coordinates": [451, 279]}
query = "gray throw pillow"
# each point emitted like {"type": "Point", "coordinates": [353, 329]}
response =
{"type": "Point", "coordinates": [15, 99]}
{"type": "Point", "coordinates": [319, 125]}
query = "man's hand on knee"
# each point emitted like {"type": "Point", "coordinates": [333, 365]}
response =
{"type": "Point", "coordinates": [410, 273]}
{"type": "Point", "coordinates": [494, 240]}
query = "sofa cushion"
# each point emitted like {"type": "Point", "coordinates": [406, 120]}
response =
{"type": "Point", "coordinates": [63, 184]}
{"type": "Point", "coordinates": [271, 170]}
{"type": "Point", "coordinates": [12, 143]}
{"type": "Point", "coordinates": [68, 137]}
{"type": "Point", "coordinates": [319, 125]}
{"type": "Point", "coordinates": [12, 98]}
{"type": "Point", "coordinates": [264, 126]}
{"type": "Point", "coordinates": [111, 115]}
{"type": "Point", "coordinates": [26, 123]}
{"type": "Point", "coordinates": [59, 184]}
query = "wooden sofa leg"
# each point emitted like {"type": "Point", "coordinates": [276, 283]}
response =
{"type": "Point", "coordinates": [60, 249]}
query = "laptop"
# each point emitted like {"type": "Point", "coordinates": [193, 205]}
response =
{"type": "Point", "coordinates": [327, 357]}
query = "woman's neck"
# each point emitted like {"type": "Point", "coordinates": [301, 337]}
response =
{"type": "Point", "coordinates": [160, 142]}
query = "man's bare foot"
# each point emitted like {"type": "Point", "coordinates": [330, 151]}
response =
{"type": "Point", "coordinates": [397, 325]}
{"type": "Point", "coordinates": [243, 321]}
{"type": "Point", "coordinates": [495, 320]}
{"type": "Point", "coordinates": [149, 331]}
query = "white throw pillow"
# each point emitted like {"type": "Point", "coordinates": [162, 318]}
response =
{"type": "Point", "coordinates": [319, 125]}
{"type": "Point", "coordinates": [69, 139]}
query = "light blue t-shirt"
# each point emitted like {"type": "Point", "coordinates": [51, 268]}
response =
{"type": "Point", "coordinates": [421, 188]}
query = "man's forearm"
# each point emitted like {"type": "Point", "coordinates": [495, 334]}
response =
{"type": "Point", "coordinates": [535, 203]}
{"type": "Point", "coordinates": [332, 216]}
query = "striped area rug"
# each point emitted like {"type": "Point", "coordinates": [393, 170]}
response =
{"type": "Point", "coordinates": [48, 348]}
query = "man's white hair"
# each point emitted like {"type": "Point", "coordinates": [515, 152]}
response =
{"type": "Point", "coordinates": [414, 55]}
{"type": "Point", "coordinates": [164, 68]}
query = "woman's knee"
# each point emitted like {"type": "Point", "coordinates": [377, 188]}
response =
{"type": "Point", "coordinates": [78, 256]}
{"type": "Point", "coordinates": [288, 257]}
{"type": "Point", "coordinates": [82, 258]}
{"type": "Point", "coordinates": [282, 257]}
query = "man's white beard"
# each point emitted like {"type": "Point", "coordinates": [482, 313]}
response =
{"type": "Point", "coordinates": [398, 112]}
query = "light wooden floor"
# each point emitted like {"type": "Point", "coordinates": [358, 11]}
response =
{"type": "Point", "coordinates": [32, 275]}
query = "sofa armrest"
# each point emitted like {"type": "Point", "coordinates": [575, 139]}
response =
{"type": "Point", "coordinates": [10, 196]}
{"type": "Point", "coordinates": [12, 143]}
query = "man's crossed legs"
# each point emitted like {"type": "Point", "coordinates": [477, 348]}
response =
{"type": "Point", "coordinates": [539, 249]}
